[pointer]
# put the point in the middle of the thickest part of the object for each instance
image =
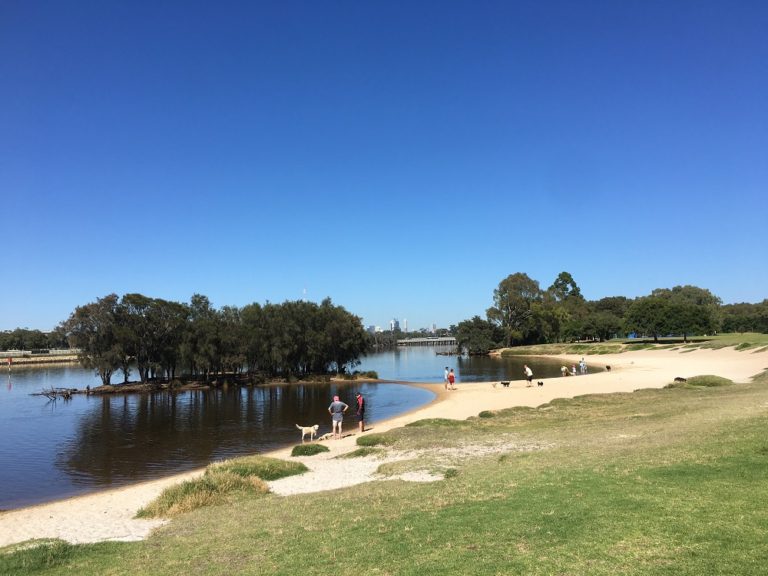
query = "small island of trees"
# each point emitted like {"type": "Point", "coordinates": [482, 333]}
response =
{"type": "Point", "coordinates": [165, 339]}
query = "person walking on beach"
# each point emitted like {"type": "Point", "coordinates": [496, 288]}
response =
{"type": "Point", "coordinates": [360, 411]}
{"type": "Point", "coordinates": [583, 366]}
{"type": "Point", "coordinates": [445, 378]}
{"type": "Point", "coordinates": [452, 379]}
{"type": "Point", "coordinates": [528, 375]}
{"type": "Point", "coordinates": [336, 410]}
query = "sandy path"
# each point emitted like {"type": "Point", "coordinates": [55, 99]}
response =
{"type": "Point", "coordinates": [109, 515]}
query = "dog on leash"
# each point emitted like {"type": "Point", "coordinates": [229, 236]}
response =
{"type": "Point", "coordinates": [311, 430]}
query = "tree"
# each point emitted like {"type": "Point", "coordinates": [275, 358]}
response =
{"type": "Point", "coordinates": [512, 310]}
{"type": "Point", "coordinates": [690, 310]}
{"type": "Point", "coordinates": [478, 336]}
{"type": "Point", "coordinates": [93, 329]}
{"type": "Point", "coordinates": [649, 316]}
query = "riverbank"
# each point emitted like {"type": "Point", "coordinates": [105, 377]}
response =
{"type": "Point", "coordinates": [109, 515]}
{"type": "Point", "coordinates": [13, 361]}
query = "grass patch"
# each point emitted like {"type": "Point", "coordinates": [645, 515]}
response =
{"type": "Point", "coordinates": [386, 439]}
{"type": "Point", "coordinates": [213, 488]}
{"type": "Point", "coordinates": [267, 469]}
{"type": "Point", "coordinates": [309, 449]}
{"type": "Point", "coordinates": [219, 483]}
{"type": "Point", "coordinates": [656, 482]}
{"type": "Point", "coordinates": [363, 452]}
{"type": "Point", "coordinates": [705, 381]}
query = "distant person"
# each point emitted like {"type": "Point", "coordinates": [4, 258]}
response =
{"type": "Point", "coordinates": [445, 378]}
{"type": "Point", "coordinates": [336, 410]}
{"type": "Point", "coordinates": [564, 371]}
{"type": "Point", "coordinates": [452, 379]}
{"type": "Point", "coordinates": [583, 366]}
{"type": "Point", "coordinates": [573, 370]}
{"type": "Point", "coordinates": [528, 374]}
{"type": "Point", "coordinates": [360, 411]}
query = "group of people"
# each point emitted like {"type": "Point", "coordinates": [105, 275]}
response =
{"type": "Point", "coordinates": [337, 410]}
{"type": "Point", "coordinates": [449, 379]}
{"type": "Point", "coordinates": [582, 369]}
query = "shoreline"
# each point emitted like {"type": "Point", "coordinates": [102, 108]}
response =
{"type": "Point", "coordinates": [109, 514]}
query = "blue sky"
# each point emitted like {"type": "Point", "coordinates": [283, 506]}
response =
{"type": "Point", "coordinates": [401, 158]}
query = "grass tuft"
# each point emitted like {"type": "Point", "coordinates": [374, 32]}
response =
{"type": "Point", "coordinates": [376, 440]}
{"type": "Point", "coordinates": [309, 449]}
{"type": "Point", "coordinates": [362, 452]}
{"type": "Point", "coordinates": [220, 481]}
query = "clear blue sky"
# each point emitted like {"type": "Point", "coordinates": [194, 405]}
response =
{"type": "Point", "coordinates": [401, 158]}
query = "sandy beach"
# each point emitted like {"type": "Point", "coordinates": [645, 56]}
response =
{"type": "Point", "coordinates": [109, 515]}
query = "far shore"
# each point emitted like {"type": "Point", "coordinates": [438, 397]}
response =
{"type": "Point", "coordinates": [109, 515]}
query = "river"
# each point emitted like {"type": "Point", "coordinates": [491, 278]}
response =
{"type": "Point", "coordinates": [56, 449]}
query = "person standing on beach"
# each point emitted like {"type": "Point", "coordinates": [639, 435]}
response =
{"type": "Point", "coordinates": [361, 411]}
{"type": "Point", "coordinates": [452, 379]}
{"type": "Point", "coordinates": [336, 410]}
{"type": "Point", "coordinates": [528, 374]}
{"type": "Point", "coordinates": [445, 378]}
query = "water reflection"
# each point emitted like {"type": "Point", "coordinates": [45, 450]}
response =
{"type": "Point", "coordinates": [62, 449]}
{"type": "Point", "coordinates": [51, 450]}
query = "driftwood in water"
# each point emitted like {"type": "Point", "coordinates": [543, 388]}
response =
{"type": "Point", "coordinates": [56, 393]}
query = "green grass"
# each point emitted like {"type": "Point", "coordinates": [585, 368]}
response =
{"type": "Point", "coordinates": [363, 452]}
{"type": "Point", "coordinates": [219, 483]}
{"type": "Point", "coordinates": [308, 449]}
{"type": "Point", "coordinates": [746, 341]}
{"type": "Point", "coordinates": [702, 381]}
{"type": "Point", "coordinates": [655, 482]}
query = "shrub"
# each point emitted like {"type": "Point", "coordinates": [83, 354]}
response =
{"type": "Point", "coordinates": [487, 414]}
{"type": "Point", "coordinates": [308, 449]}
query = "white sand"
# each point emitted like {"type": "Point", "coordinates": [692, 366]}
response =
{"type": "Point", "coordinates": [110, 515]}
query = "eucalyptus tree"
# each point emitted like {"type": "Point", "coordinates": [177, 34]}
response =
{"type": "Point", "coordinates": [201, 345]}
{"type": "Point", "coordinates": [690, 310]}
{"type": "Point", "coordinates": [513, 307]}
{"type": "Point", "coordinates": [345, 336]}
{"type": "Point", "coordinates": [745, 317]}
{"type": "Point", "coordinates": [478, 336]}
{"type": "Point", "coordinates": [169, 324]}
{"type": "Point", "coordinates": [93, 329]}
{"type": "Point", "coordinates": [648, 315]}
{"type": "Point", "coordinates": [136, 331]}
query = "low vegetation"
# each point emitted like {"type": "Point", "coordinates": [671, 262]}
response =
{"type": "Point", "coordinates": [655, 482]}
{"type": "Point", "coordinates": [308, 449]}
{"type": "Point", "coordinates": [219, 483]}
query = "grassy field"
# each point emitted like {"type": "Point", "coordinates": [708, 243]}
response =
{"type": "Point", "coordinates": [745, 341]}
{"type": "Point", "coordinates": [671, 481]}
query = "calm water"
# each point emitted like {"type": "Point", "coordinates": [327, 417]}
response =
{"type": "Point", "coordinates": [50, 450]}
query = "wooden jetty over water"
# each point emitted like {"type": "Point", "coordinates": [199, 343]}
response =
{"type": "Point", "coordinates": [428, 341]}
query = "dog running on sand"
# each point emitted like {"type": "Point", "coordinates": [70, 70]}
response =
{"type": "Point", "coordinates": [311, 430]}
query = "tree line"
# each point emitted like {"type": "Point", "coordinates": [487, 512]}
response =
{"type": "Point", "coordinates": [524, 313]}
{"type": "Point", "coordinates": [164, 339]}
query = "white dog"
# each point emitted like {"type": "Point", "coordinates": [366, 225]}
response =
{"type": "Point", "coordinates": [311, 430]}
